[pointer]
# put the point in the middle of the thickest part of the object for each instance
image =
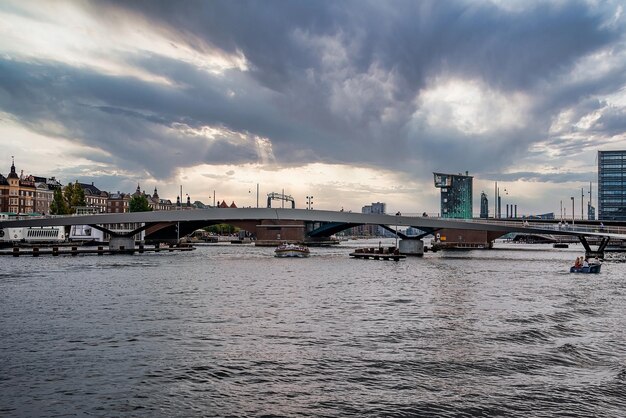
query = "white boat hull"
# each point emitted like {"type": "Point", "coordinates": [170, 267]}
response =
{"type": "Point", "coordinates": [291, 250]}
{"type": "Point", "coordinates": [291, 253]}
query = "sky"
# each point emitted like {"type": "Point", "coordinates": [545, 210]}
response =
{"type": "Point", "coordinates": [351, 102]}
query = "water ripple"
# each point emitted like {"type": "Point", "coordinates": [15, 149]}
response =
{"type": "Point", "coordinates": [232, 331]}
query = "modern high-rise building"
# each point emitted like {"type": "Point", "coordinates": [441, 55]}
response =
{"type": "Point", "coordinates": [612, 185]}
{"type": "Point", "coordinates": [456, 195]}
{"type": "Point", "coordinates": [373, 230]}
{"type": "Point", "coordinates": [484, 206]}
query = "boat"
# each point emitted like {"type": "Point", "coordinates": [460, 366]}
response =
{"type": "Point", "coordinates": [291, 250]}
{"type": "Point", "coordinates": [32, 235]}
{"type": "Point", "coordinates": [592, 268]}
{"type": "Point", "coordinates": [380, 253]}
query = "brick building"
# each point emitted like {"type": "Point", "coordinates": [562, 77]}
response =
{"type": "Point", "coordinates": [95, 198]}
{"type": "Point", "coordinates": [17, 194]}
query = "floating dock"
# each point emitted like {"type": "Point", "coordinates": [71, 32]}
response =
{"type": "Point", "coordinates": [74, 251]}
{"type": "Point", "coordinates": [380, 253]}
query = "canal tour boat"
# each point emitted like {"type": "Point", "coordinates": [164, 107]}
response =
{"type": "Point", "coordinates": [291, 250]}
{"type": "Point", "coordinates": [591, 268]}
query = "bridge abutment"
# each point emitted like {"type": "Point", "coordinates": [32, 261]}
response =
{"type": "Point", "coordinates": [414, 247]}
{"type": "Point", "coordinates": [122, 243]}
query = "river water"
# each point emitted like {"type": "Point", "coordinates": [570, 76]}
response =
{"type": "Point", "coordinates": [229, 330]}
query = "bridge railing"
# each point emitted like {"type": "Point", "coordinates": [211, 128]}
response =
{"type": "Point", "coordinates": [556, 227]}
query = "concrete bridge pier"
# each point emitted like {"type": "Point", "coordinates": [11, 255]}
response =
{"type": "Point", "coordinates": [414, 247]}
{"type": "Point", "coordinates": [122, 243]}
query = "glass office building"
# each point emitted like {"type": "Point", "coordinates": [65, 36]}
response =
{"type": "Point", "coordinates": [484, 206]}
{"type": "Point", "coordinates": [612, 185]}
{"type": "Point", "coordinates": [456, 195]}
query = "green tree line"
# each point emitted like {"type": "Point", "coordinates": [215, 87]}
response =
{"type": "Point", "coordinates": [66, 200]}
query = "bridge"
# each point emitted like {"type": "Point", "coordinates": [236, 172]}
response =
{"type": "Point", "coordinates": [318, 223]}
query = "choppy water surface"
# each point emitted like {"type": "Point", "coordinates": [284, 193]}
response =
{"type": "Point", "coordinates": [231, 330]}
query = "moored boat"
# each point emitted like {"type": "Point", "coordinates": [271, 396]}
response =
{"type": "Point", "coordinates": [292, 250]}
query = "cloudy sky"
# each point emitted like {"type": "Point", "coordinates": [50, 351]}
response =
{"type": "Point", "coordinates": [352, 102]}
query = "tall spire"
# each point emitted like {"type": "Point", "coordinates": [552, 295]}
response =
{"type": "Point", "coordinates": [12, 174]}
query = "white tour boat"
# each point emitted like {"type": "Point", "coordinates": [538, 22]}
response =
{"type": "Point", "coordinates": [291, 250]}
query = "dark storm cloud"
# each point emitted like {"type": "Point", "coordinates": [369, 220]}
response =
{"type": "Point", "coordinates": [612, 122]}
{"type": "Point", "coordinates": [328, 82]}
{"type": "Point", "coordinates": [513, 51]}
{"type": "Point", "coordinates": [129, 119]}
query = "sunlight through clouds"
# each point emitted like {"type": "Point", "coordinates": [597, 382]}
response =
{"type": "Point", "coordinates": [470, 107]}
{"type": "Point", "coordinates": [60, 31]}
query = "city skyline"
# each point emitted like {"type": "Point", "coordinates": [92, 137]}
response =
{"type": "Point", "coordinates": [349, 102]}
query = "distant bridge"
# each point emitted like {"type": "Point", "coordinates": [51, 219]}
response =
{"type": "Point", "coordinates": [326, 222]}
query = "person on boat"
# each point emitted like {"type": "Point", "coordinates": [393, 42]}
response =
{"type": "Point", "coordinates": [596, 260]}
{"type": "Point", "coordinates": [577, 263]}
{"type": "Point", "coordinates": [585, 263]}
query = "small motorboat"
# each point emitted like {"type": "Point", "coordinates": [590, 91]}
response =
{"type": "Point", "coordinates": [292, 250]}
{"type": "Point", "coordinates": [592, 268]}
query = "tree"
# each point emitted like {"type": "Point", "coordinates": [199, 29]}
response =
{"type": "Point", "coordinates": [58, 206]}
{"type": "Point", "coordinates": [222, 229]}
{"type": "Point", "coordinates": [139, 203]}
{"type": "Point", "coordinates": [74, 196]}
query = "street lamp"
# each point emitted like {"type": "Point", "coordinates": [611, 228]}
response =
{"type": "Point", "coordinates": [572, 210]}
{"type": "Point", "coordinates": [309, 202]}
{"type": "Point", "coordinates": [397, 214]}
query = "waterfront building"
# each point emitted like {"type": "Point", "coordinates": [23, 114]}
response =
{"type": "Point", "coordinates": [456, 194]}
{"type": "Point", "coordinates": [94, 197]}
{"type": "Point", "coordinates": [484, 206]}
{"type": "Point", "coordinates": [154, 201]}
{"type": "Point", "coordinates": [4, 194]}
{"type": "Point", "coordinates": [44, 195]}
{"type": "Point", "coordinates": [225, 205]}
{"type": "Point", "coordinates": [17, 193]}
{"type": "Point", "coordinates": [591, 212]}
{"type": "Point", "coordinates": [372, 230]}
{"type": "Point", "coordinates": [612, 185]}
{"type": "Point", "coordinates": [118, 202]}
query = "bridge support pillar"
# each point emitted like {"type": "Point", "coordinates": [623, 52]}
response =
{"type": "Point", "coordinates": [413, 247]}
{"type": "Point", "coordinates": [599, 252]}
{"type": "Point", "coordinates": [122, 243]}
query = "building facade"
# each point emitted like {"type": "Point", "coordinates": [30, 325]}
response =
{"type": "Point", "coordinates": [484, 206]}
{"type": "Point", "coordinates": [456, 194]}
{"type": "Point", "coordinates": [95, 198]}
{"type": "Point", "coordinates": [4, 194]}
{"type": "Point", "coordinates": [118, 202]}
{"type": "Point", "coordinates": [372, 230]}
{"type": "Point", "coordinates": [17, 194]}
{"type": "Point", "coordinates": [43, 197]}
{"type": "Point", "coordinates": [612, 185]}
